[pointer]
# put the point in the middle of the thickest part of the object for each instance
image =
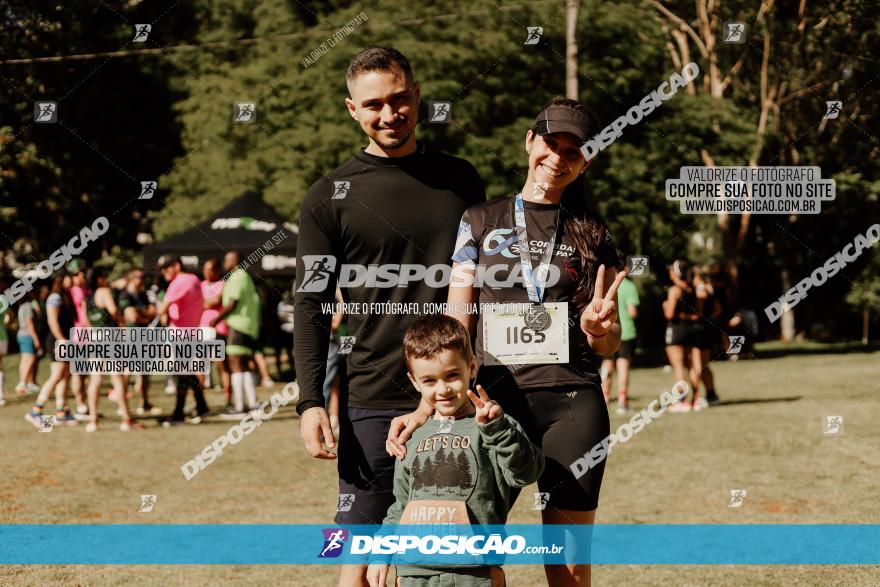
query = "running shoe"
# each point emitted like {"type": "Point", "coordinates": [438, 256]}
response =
{"type": "Point", "coordinates": [194, 414]}
{"type": "Point", "coordinates": [267, 383]}
{"type": "Point", "coordinates": [149, 410]}
{"type": "Point", "coordinates": [91, 427]}
{"type": "Point", "coordinates": [700, 404]}
{"type": "Point", "coordinates": [712, 398]}
{"type": "Point", "coordinates": [32, 388]}
{"type": "Point", "coordinates": [131, 425]}
{"type": "Point", "coordinates": [35, 418]}
{"type": "Point", "coordinates": [82, 409]}
{"type": "Point", "coordinates": [230, 413]}
{"type": "Point", "coordinates": [682, 407]}
{"type": "Point", "coordinates": [622, 407]}
{"type": "Point", "coordinates": [170, 389]}
{"type": "Point", "coordinates": [20, 389]}
{"type": "Point", "coordinates": [65, 417]}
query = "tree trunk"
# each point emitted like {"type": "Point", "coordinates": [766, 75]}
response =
{"type": "Point", "coordinates": [571, 80]}
{"type": "Point", "coordinates": [787, 319]}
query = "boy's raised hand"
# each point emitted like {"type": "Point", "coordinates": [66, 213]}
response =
{"type": "Point", "coordinates": [487, 410]}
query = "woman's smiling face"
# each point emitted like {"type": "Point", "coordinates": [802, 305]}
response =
{"type": "Point", "coordinates": [554, 159]}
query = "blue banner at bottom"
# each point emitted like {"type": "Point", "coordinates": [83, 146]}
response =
{"type": "Point", "coordinates": [294, 544]}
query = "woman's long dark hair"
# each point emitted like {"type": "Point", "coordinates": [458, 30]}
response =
{"type": "Point", "coordinates": [58, 288]}
{"type": "Point", "coordinates": [593, 242]}
{"type": "Point", "coordinates": [583, 222]}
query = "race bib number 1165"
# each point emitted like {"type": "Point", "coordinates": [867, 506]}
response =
{"type": "Point", "coordinates": [508, 340]}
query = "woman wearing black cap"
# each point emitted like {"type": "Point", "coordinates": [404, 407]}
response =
{"type": "Point", "coordinates": [547, 314]}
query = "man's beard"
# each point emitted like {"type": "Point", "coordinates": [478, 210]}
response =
{"type": "Point", "coordinates": [398, 143]}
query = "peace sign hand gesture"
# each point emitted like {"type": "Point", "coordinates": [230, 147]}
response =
{"type": "Point", "coordinates": [601, 313]}
{"type": "Point", "coordinates": [487, 410]}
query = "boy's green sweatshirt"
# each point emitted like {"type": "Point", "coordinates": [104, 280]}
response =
{"type": "Point", "coordinates": [466, 462]}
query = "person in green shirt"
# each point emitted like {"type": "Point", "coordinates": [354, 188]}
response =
{"type": "Point", "coordinates": [628, 311]}
{"type": "Point", "coordinates": [241, 311]}
{"type": "Point", "coordinates": [470, 458]}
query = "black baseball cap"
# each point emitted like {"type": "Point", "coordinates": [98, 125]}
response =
{"type": "Point", "coordinates": [562, 119]}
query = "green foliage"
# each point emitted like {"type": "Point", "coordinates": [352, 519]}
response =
{"type": "Point", "coordinates": [169, 116]}
{"type": "Point", "coordinates": [865, 290]}
{"type": "Point", "coordinates": [114, 127]}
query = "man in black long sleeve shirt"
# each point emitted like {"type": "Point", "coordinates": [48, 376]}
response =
{"type": "Point", "coordinates": [394, 203]}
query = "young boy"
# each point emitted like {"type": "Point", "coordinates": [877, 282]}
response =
{"type": "Point", "coordinates": [461, 466]}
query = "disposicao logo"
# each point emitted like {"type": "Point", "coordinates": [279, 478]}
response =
{"type": "Point", "coordinates": [334, 541]}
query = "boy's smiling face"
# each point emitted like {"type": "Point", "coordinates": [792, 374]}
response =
{"type": "Point", "coordinates": [443, 381]}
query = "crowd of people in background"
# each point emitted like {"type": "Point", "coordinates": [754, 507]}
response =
{"type": "Point", "coordinates": [225, 302]}
{"type": "Point", "coordinates": [698, 315]}
{"type": "Point", "coordinates": [701, 321]}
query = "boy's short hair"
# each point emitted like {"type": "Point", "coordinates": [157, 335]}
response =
{"type": "Point", "coordinates": [378, 59]}
{"type": "Point", "coordinates": [432, 334]}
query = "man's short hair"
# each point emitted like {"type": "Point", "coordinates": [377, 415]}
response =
{"type": "Point", "coordinates": [167, 261]}
{"type": "Point", "coordinates": [378, 59]}
{"type": "Point", "coordinates": [432, 334]}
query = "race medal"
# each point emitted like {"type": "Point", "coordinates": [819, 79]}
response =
{"type": "Point", "coordinates": [537, 318]}
{"type": "Point", "coordinates": [510, 336]}
{"type": "Point", "coordinates": [528, 334]}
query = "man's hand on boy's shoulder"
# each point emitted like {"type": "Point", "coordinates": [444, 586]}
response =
{"type": "Point", "coordinates": [376, 574]}
{"type": "Point", "coordinates": [487, 409]}
{"type": "Point", "coordinates": [402, 428]}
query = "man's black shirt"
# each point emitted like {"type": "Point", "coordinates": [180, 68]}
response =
{"type": "Point", "coordinates": [374, 211]}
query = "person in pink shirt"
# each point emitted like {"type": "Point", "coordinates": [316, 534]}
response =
{"type": "Point", "coordinates": [212, 286]}
{"type": "Point", "coordinates": [79, 292]}
{"type": "Point", "coordinates": [183, 304]}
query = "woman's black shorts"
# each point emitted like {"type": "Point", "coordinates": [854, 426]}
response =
{"type": "Point", "coordinates": [566, 424]}
{"type": "Point", "coordinates": [705, 335]}
{"type": "Point", "coordinates": [681, 334]}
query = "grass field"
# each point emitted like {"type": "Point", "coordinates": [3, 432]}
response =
{"type": "Point", "coordinates": [766, 437]}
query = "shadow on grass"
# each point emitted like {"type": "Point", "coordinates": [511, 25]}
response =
{"type": "Point", "coordinates": [777, 350]}
{"type": "Point", "coordinates": [766, 400]}
{"type": "Point", "coordinates": [656, 356]}
{"type": "Point", "coordinates": [733, 402]}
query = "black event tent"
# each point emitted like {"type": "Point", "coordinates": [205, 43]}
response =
{"type": "Point", "coordinates": [248, 225]}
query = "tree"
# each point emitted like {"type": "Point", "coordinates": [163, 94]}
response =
{"type": "Point", "coordinates": [443, 472]}
{"type": "Point", "coordinates": [571, 78]}
{"type": "Point", "coordinates": [777, 84]}
{"type": "Point", "coordinates": [463, 468]}
{"type": "Point", "coordinates": [416, 474]}
{"type": "Point", "coordinates": [115, 125]}
{"type": "Point", "coordinates": [428, 474]}
{"type": "Point", "coordinates": [865, 294]}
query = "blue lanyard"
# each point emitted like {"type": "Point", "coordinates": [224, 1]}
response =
{"type": "Point", "coordinates": [534, 280]}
